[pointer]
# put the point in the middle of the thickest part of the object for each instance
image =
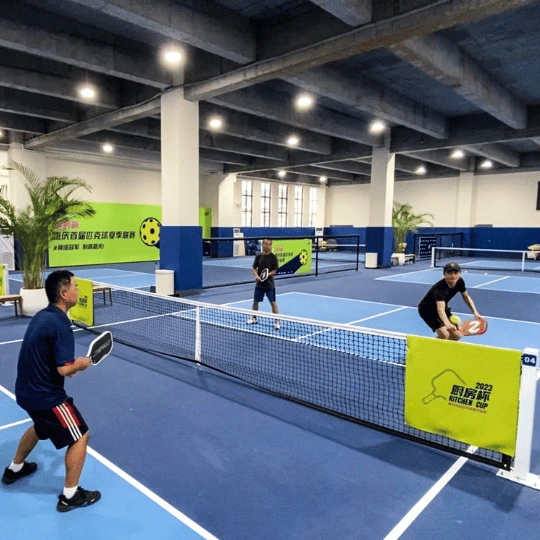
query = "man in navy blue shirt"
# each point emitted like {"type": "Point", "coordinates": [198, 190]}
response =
{"type": "Point", "coordinates": [46, 357]}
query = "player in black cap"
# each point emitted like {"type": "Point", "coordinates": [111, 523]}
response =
{"type": "Point", "coordinates": [434, 308]}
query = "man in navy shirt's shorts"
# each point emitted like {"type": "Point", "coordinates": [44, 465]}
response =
{"type": "Point", "coordinates": [46, 357]}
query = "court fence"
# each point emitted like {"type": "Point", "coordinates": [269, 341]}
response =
{"type": "Point", "coordinates": [229, 261]}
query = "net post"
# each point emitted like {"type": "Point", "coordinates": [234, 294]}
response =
{"type": "Point", "coordinates": [198, 340]}
{"type": "Point", "coordinates": [520, 472]}
{"type": "Point", "coordinates": [523, 261]}
{"type": "Point", "coordinates": [433, 257]}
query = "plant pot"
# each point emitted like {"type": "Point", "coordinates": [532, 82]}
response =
{"type": "Point", "coordinates": [33, 300]}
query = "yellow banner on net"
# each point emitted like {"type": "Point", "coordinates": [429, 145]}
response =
{"type": "Point", "coordinates": [3, 281]}
{"type": "Point", "coordinates": [466, 392]}
{"type": "Point", "coordinates": [83, 311]}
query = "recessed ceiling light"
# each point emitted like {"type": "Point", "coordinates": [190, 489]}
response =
{"type": "Point", "coordinates": [486, 164]}
{"type": "Point", "coordinates": [215, 122]}
{"type": "Point", "coordinates": [1, 133]}
{"type": "Point", "coordinates": [172, 57]}
{"type": "Point", "coordinates": [87, 91]}
{"type": "Point", "coordinates": [377, 126]}
{"type": "Point", "coordinates": [457, 154]}
{"type": "Point", "coordinates": [304, 102]}
{"type": "Point", "coordinates": [323, 179]}
{"type": "Point", "coordinates": [282, 174]}
{"type": "Point", "coordinates": [108, 148]}
{"type": "Point", "coordinates": [293, 140]}
{"type": "Point", "coordinates": [421, 169]}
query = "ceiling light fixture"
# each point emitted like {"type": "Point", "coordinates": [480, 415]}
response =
{"type": "Point", "coordinates": [323, 179]}
{"type": "Point", "coordinates": [108, 148]}
{"type": "Point", "coordinates": [282, 174]}
{"type": "Point", "coordinates": [421, 169]}
{"type": "Point", "coordinates": [215, 123]}
{"type": "Point", "coordinates": [172, 56]}
{"type": "Point", "coordinates": [486, 164]}
{"type": "Point", "coordinates": [293, 140]}
{"type": "Point", "coordinates": [304, 102]}
{"type": "Point", "coordinates": [457, 154]}
{"type": "Point", "coordinates": [87, 91]}
{"type": "Point", "coordinates": [377, 126]}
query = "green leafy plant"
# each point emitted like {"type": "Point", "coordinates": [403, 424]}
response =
{"type": "Point", "coordinates": [405, 221]}
{"type": "Point", "coordinates": [51, 202]}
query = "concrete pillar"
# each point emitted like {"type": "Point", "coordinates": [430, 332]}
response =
{"type": "Point", "coordinates": [379, 234]}
{"type": "Point", "coordinates": [181, 235]}
{"type": "Point", "coordinates": [466, 200]}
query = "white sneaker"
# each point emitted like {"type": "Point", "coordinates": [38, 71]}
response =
{"type": "Point", "coordinates": [252, 320]}
{"type": "Point", "coordinates": [277, 326]}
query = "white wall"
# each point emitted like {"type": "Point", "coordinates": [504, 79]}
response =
{"type": "Point", "coordinates": [508, 200]}
{"type": "Point", "coordinates": [109, 183]}
{"type": "Point", "coordinates": [347, 205]}
{"type": "Point", "coordinates": [504, 200]}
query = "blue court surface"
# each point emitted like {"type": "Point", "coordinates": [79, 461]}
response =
{"type": "Point", "coordinates": [170, 439]}
{"type": "Point", "coordinates": [504, 333]}
{"type": "Point", "coordinates": [28, 505]}
{"type": "Point", "coordinates": [484, 280]}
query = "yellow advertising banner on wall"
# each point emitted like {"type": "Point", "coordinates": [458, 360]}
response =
{"type": "Point", "coordinates": [117, 233]}
{"type": "Point", "coordinates": [466, 392]}
{"type": "Point", "coordinates": [83, 311]}
{"type": "Point", "coordinates": [294, 256]}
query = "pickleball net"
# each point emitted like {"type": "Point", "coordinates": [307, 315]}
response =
{"type": "Point", "coordinates": [354, 373]}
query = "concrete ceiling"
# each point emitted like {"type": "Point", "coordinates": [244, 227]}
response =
{"type": "Point", "coordinates": [441, 74]}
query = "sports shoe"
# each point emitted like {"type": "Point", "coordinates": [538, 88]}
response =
{"type": "Point", "coordinates": [82, 497]}
{"type": "Point", "coordinates": [9, 476]}
{"type": "Point", "coordinates": [252, 320]}
{"type": "Point", "coordinates": [277, 326]}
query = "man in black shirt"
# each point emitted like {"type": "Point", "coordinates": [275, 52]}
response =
{"type": "Point", "coordinates": [434, 308]}
{"type": "Point", "coordinates": [265, 261]}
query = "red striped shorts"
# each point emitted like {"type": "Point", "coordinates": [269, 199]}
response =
{"type": "Point", "coordinates": [63, 425]}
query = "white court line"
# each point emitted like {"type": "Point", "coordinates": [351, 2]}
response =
{"type": "Point", "coordinates": [394, 276]}
{"type": "Point", "coordinates": [140, 487]}
{"type": "Point", "coordinates": [492, 281]}
{"type": "Point", "coordinates": [422, 504]}
{"type": "Point", "coordinates": [380, 314]}
{"type": "Point", "coordinates": [251, 299]}
{"type": "Point", "coordinates": [13, 424]}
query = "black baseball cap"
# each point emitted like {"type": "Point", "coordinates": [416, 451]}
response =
{"type": "Point", "coordinates": [452, 266]}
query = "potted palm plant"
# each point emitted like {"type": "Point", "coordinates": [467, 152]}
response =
{"type": "Point", "coordinates": [51, 202]}
{"type": "Point", "coordinates": [404, 220]}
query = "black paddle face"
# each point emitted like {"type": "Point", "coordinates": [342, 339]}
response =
{"type": "Point", "coordinates": [100, 347]}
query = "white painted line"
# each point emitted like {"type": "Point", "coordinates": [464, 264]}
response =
{"type": "Point", "coordinates": [380, 314]}
{"type": "Point", "coordinates": [488, 282]}
{"type": "Point", "coordinates": [251, 300]}
{"type": "Point", "coordinates": [137, 485]}
{"type": "Point", "coordinates": [13, 424]}
{"type": "Point", "coordinates": [395, 277]}
{"type": "Point", "coordinates": [152, 496]}
{"type": "Point", "coordinates": [422, 504]}
{"type": "Point", "coordinates": [7, 392]}
{"type": "Point", "coordinates": [8, 342]}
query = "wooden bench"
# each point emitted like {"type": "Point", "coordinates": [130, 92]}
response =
{"type": "Point", "coordinates": [103, 289]}
{"type": "Point", "coordinates": [16, 299]}
{"type": "Point", "coordinates": [410, 258]}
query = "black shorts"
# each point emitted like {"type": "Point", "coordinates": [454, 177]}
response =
{"type": "Point", "coordinates": [432, 319]}
{"type": "Point", "coordinates": [63, 424]}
